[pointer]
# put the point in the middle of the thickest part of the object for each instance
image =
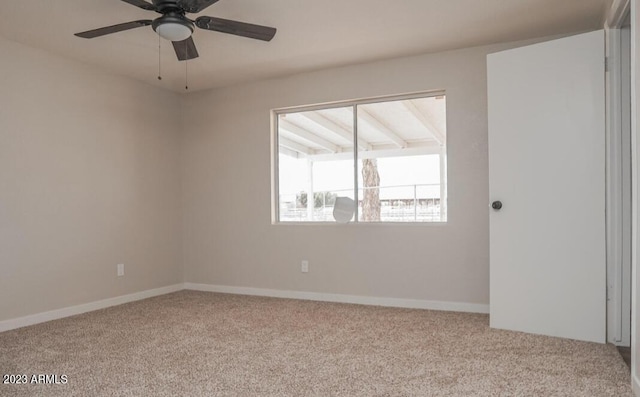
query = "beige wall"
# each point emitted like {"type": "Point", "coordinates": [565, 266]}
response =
{"type": "Point", "coordinates": [89, 177]}
{"type": "Point", "coordinates": [228, 236]}
{"type": "Point", "coordinates": [97, 170]}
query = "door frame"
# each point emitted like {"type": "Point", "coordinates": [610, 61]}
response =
{"type": "Point", "coordinates": [618, 184]}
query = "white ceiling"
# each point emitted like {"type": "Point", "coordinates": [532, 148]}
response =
{"type": "Point", "coordinates": [312, 34]}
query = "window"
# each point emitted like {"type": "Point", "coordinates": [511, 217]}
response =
{"type": "Point", "coordinates": [395, 173]}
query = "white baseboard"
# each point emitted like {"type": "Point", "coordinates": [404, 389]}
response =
{"type": "Point", "coordinates": [635, 384]}
{"type": "Point", "coordinates": [362, 300]}
{"type": "Point", "coordinates": [20, 322]}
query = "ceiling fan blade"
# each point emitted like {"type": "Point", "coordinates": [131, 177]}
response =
{"type": "Point", "coordinates": [141, 4]}
{"type": "Point", "coordinates": [90, 34]}
{"type": "Point", "coordinates": [236, 27]}
{"type": "Point", "coordinates": [185, 49]}
{"type": "Point", "coordinates": [195, 6]}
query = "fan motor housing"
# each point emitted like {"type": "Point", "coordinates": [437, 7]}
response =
{"type": "Point", "coordinates": [165, 6]}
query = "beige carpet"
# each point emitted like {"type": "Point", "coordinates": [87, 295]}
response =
{"type": "Point", "coordinates": [204, 344]}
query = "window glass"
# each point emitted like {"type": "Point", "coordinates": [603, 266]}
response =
{"type": "Point", "coordinates": [315, 159]}
{"type": "Point", "coordinates": [399, 160]}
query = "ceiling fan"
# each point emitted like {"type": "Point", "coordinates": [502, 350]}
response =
{"type": "Point", "coordinates": [174, 26]}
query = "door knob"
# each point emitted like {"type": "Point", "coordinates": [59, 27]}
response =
{"type": "Point", "coordinates": [496, 205]}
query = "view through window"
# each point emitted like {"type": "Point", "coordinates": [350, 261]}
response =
{"type": "Point", "coordinates": [396, 174]}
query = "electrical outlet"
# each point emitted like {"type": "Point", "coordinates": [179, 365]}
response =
{"type": "Point", "coordinates": [120, 269]}
{"type": "Point", "coordinates": [304, 267]}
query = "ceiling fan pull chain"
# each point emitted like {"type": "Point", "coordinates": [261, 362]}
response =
{"type": "Point", "coordinates": [159, 58]}
{"type": "Point", "coordinates": [186, 66]}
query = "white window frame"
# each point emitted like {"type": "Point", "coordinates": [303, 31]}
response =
{"type": "Point", "coordinates": [275, 183]}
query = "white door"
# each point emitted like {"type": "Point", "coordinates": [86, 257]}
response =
{"type": "Point", "coordinates": [547, 167]}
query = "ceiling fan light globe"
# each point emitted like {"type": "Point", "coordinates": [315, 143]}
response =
{"type": "Point", "coordinates": [174, 31]}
